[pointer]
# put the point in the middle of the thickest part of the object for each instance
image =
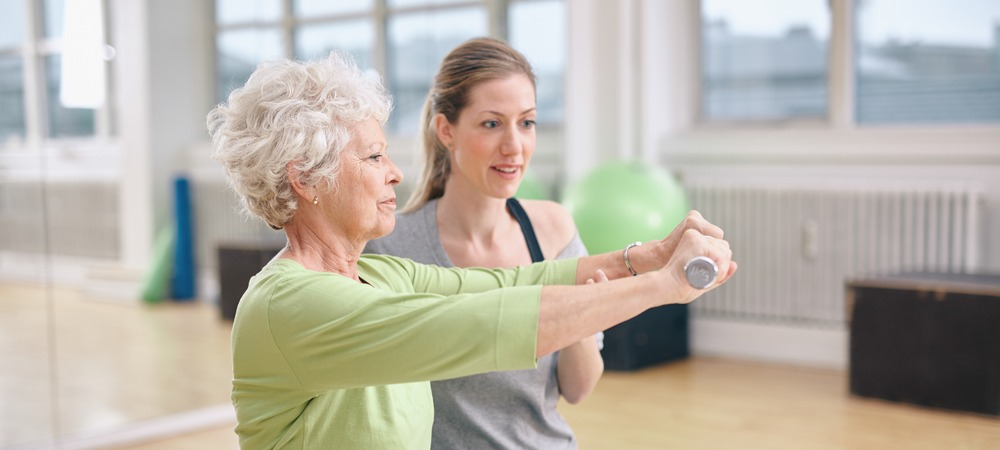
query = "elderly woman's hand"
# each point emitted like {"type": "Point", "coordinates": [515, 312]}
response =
{"type": "Point", "coordinates": [689, 245]}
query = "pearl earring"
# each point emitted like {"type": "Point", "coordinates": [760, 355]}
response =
{"type": "Point", "coordinates": [315, 200]}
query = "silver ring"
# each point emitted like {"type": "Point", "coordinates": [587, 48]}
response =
{"type": "Point", "coordinates": [701, 272]}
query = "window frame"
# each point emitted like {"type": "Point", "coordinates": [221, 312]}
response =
{"type": "Point", "coordinates": [497, 21]}
{"type": "Point", "coordinates": [838, 139]}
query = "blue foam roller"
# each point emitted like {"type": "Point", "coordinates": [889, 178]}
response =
{"type": "Point", "coordinates": [183, 282]}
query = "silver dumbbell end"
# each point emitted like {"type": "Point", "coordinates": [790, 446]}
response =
{"type": "Point", "coordinates": [701, 272]}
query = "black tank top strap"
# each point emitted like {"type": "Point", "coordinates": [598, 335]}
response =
{"type": "Point", "coordinates": [517, 211]}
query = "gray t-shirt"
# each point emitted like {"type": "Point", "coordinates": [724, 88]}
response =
{"type": "Point", "coordinates": [503, 410]}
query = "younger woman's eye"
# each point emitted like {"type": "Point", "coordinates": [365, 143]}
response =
{"type": "Point", "coordinates": [528, 123]}
{"type": "Point", "coordinates": [491, 124]}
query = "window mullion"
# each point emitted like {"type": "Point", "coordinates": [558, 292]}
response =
{"type": "Point", "coordinates": [34, 79]}
{"type": "Point", "coordinates": [102, 115]}
{"type": "Point", "coordinates": [497, 13]}
{"type": "Point", "coordinates": [380, 49]}
{"type": "Point", "coordinates": [841, 65]}
{"type": "Point", "coordinates": [288, 25]}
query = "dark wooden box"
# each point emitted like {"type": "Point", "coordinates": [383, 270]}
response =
{"type": "Point", "coordinates": [237, 263]}
{"type": "Point", "coordinates": [653, 337]}
{"type": "Point", "coordinates": [928, 339]}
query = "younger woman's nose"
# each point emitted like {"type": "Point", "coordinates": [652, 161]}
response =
{"type": "Point", "coordinates": [511, 143]}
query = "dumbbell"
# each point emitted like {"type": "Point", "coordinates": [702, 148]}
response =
{"type": "Point", "coordinates": [701, 272]}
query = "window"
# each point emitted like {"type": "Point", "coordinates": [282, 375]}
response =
{"type": "Point", "coordinates": [538, 30]}
{"type": "Point", "coordinates": [912, 62]}
{"type": "Point", "coordinates": [63, 122]}
{"type": "Point", "coordinates": [12, 37]}
{"type": "Point", "coordinates": [921, 61]}
{"type": "Point", "coordinates": [418, 41]}
{"type": "Point", "coordinates": [404, 40]}
{"type": "Point", "coordinates": [354, 36]}
{"type": "Point", "coordinates": [764, 60]}
{"type": "Point", "coordinates": [12, 125]}
{"type": "Point", "coordinates": [29, 107]}
{"type": "Point", "coordinates": [238, 52]}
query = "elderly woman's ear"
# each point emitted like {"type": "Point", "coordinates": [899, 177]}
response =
{"type": "Point", "coordinates": [297, 179]}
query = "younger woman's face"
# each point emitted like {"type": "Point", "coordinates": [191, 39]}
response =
{"type": "Point", "coordinates": [494, 137]}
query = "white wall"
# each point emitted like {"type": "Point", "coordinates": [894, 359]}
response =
{"type": "Point", "coordinates": [164, 76]}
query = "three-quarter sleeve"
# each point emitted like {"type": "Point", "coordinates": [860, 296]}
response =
{"type": "Point", "coordinates": [410, 322]}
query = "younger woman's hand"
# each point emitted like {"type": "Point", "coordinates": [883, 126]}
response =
{"type": "Point", "coordinates": [598, 277]}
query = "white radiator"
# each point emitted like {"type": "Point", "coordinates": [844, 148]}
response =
{"type": "Point", "coordinates": [63, 218]}
{"type": "Point", "coordinates": [81, 219]}
{"type": "Point", "coordinates": [796, 245]}
{"type": "Point", "coordinates": [218, 220]}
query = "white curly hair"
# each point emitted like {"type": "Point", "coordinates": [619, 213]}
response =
{"type": "Point", "coordinates": [300, 112]}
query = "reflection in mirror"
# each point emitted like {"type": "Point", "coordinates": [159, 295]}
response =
{"type": "Point", "coordinates": [12, 25]}
{"type": "Point", "coordinates": [83, 355]}
{"type": "Point", "coordinates": [64, 122]}
{"type": "Point", "coordinates": [12, 98]}
{"type": "Point", "coordinates": [53, 14]}
{"type": "Point", "coordinates": [26, 300]}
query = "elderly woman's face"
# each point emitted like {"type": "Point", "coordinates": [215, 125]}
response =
{"type": "Point", "coordinates": [364, 203]}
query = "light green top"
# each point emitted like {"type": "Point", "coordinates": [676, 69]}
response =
{"type": "Point", "coordinates": [321, 361]}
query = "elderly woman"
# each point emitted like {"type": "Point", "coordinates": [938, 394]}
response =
{"type": "Point", "coordinates": [332, 349]}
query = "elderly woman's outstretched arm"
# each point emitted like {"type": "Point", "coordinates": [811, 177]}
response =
{"type": "Point", "coordinates": [569, 313]}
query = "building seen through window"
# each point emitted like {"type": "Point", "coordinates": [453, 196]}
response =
{"type": "Point", "coordinates": [417, 44]}
{"type": "Point", "coordinates": [914, 62]}
{"type": "Point", "coordinates": [417, 36]}
{"type": "Point", "coordinates": [761, 66]}
{"type": "Point", "coordinates": [928, 61]}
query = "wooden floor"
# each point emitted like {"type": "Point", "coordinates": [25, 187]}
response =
{"type": "Point", "coordinates": [73, 364]}
{"type": "Point", "coordinates": [120, 364]}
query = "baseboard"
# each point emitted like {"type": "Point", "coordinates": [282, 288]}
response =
{"type": "Point", "coordinates": [779, 343]}
{"type": "Point", "coordinates": [103, 276]}
{"type": "Point", "coordinates": [139, 432]}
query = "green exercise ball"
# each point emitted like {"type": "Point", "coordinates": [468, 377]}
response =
{"type": "Point", "coordinates": [531, 189]}
{"type": "Point", "coordinates": [622, 202]}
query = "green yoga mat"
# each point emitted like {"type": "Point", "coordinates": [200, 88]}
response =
{"type": "Point", "coordinates": [154, 286]}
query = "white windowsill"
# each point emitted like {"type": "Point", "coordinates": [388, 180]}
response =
{"type": "Point", "coordinates": [804, 145]}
